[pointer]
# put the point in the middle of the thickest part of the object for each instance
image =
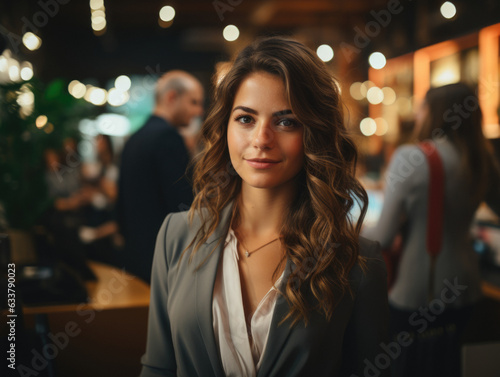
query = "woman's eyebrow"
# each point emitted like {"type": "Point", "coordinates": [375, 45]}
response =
{"type": "Point", "coordinates": [247, 109]}
{"type": "Point", "coordinates": [252, 111]}
{"type": "Point", "coordinates": [282, 112]}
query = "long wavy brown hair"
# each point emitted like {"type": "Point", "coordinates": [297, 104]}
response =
{"type": "Point", "coordinates": [318, 234]}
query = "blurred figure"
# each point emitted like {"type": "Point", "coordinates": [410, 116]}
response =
{"type": "Point", "coordinates": [100, 230]}
{"type": "Point", "coordinates": [63, 218]}
{"type": "Point", "coordinates": [63, 182]}
{"type": "Point", "coordinates": [451, 117]}
{"type": "Point", "coordinates": [153, 179]}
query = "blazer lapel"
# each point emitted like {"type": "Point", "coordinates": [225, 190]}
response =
{"type": "Point", "coordinates": [278, 334]}
{"type": "Point", "coordinates": [205, 280]}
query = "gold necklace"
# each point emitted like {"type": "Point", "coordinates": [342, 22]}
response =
{"type": "Point", "coordinates": [248, 253]}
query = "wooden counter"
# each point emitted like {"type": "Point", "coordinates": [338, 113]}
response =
{"type": "Point", "coordinates": [114, 289]}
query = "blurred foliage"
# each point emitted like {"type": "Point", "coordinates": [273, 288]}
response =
{"type": "Point", "coordinates": [23, 191]}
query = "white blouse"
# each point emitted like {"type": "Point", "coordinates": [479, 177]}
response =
{"type": "Point", "coordinates": [241, 357]}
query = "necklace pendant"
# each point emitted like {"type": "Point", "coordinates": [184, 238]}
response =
{"type": "Point", "coordinates": [247, 254]}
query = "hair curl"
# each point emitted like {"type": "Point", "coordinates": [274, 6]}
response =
{"type": "Point", "coordinates": [319, 235]}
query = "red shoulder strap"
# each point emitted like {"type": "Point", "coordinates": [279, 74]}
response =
{"type": "Point", "coordinates": [435, 206]}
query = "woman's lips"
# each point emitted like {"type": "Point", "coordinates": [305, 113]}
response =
{"type": "Point", "coordinates": [262, 163]}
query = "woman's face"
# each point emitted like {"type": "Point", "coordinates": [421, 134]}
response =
{"type": "Point", "coordinates": [264, 138]}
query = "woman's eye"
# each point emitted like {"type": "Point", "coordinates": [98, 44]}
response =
{"type": "Point", "coordinates": [287, 122]}
{"type": "Point", "coordinates": [244, 119]}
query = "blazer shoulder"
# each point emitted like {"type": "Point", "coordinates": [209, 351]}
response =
{"type": "Point", "coordinates": [178, 222]}
{"type": "Point", "coordinates": [176, 233]}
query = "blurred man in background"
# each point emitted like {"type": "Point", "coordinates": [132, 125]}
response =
{"type": "Point", "coordinates": [153, 179]}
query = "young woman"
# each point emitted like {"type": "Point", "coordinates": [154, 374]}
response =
{"type": "Point", "coordinates": [450, 116]}
{"type": "Point", "coordinates": [267, 275]}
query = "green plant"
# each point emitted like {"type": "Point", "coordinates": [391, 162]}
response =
{"type": "Point", "coordinates": [23, 190]}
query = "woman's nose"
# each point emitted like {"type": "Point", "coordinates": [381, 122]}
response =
{"type": "Point", "coordinates": [263, 136]}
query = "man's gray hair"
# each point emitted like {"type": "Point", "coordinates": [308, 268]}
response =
{"type": "Point", "coordinates": [178, 84]}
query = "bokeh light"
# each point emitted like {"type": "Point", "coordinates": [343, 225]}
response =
{"type": "Point", "coordinates": [374, 95]}
{"type": "Point", "coordinates": [98, 96]}
{"type": "Point", "coordinates": [117, 97]}
{"type": "Point", "coordinates": [167, 13]}
{"type": "Point", "coordinates": [14, 71]}
{"type": "Point", "coordinates": [377, 60]}
{"type": "Point", "coordinates": [368, 126]}
{"type": "Point", "coordinates": [389, 96]}
{"type": "Point", "coordinates": [382, 126]}
{"type": "Point", "coordinates": [41, 121]}
{"type": "Point", "coordinates": [123, 83]}
{"type": "Point", "coordinates": [77, 89]}
{"type": "Point", "coordinates": [26, 71]}
{"type": "Point", "coordinates": [96, 4]}
{"type": "Point", "coordinates": [448, 10]}
{"type": "Point", "coordinates": [355, 91]}
{"type": "Point", "coordinates": [365, 86]}
{"type": "Point", "coordinates": [325, 53]}
{"type": "Point", "coordinates": [26, 99]}
{"type": "Point", "coordinates": [31, 41]}
{"type": "Point", "coordinates": [231, 33]}
{"type": "Point", "coordinates": [4, 64]}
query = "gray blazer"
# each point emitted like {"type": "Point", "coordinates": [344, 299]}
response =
{"type": "Point", "coordinates": [181, 340]}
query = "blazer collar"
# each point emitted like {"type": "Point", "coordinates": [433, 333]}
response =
{"type": "Point", "coordinates": [278, 333]}
{"type": "Point", "coordinates": [205, 280]}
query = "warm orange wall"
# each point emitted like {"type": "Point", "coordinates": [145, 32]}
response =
{"type": "Point", "coordinates": [488, 81]}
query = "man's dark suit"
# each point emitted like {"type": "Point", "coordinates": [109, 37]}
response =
{"type": "Point", "coordinates": [152, 184]}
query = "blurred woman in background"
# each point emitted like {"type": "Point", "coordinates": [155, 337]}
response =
{"type": "Point", "coordinates": [450, 116]}
{"type": "Point", "coordinates": [100, 230]}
